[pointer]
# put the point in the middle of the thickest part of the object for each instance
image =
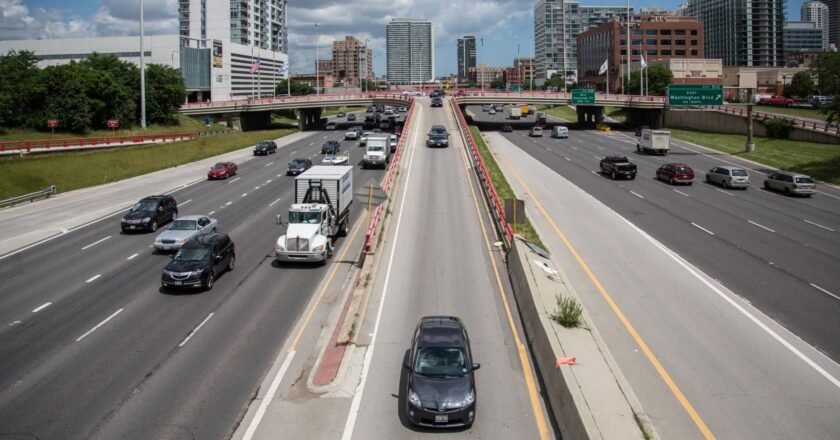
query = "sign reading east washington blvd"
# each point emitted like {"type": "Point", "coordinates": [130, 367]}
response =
{"type": "Point", "coordinates": [583, 96]}
{"type": "Point", "coordinates": [695, 94]}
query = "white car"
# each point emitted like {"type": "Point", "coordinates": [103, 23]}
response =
{"type": "Point", "coordinates": [351, 134]}
{"type": "Point", "coordinates": [412, 93]}
{"type": "Point", "coordinates": [182, 229]}
{"type": "Point", "coordinates": [336, 159]}
{"type": "Point", "coordinates": [393, 140]}
{"type": "Point", "coordinates": [492, 111]}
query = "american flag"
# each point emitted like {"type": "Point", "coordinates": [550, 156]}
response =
{"type": "Point", "coordinates": [255, 67]}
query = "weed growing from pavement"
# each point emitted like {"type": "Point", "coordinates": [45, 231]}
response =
{"type": "Point", "coordinates": [568, 312]}
{"type": "Point", "coordinates": [367, 280]}
{"type": "Point", "coordinates": [643, 427]}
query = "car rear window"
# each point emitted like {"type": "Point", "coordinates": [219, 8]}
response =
{"type": "Point", "coordinates": [626, 166]}
{"type": "Point", "coordinates": [804, 180]}
{"type": "Point", "coordinates": [683, 170]}
{"type": "Point", "coordinates": [739, 173]}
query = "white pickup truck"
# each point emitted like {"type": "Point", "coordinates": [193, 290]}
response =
{"type": "Point", "coordinates": [319, 214]}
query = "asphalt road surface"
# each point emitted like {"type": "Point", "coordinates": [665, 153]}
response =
{"type": "Point", "coordinates": [90, 347]}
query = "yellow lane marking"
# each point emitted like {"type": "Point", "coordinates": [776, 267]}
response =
{"type": "Point", "coordinates": [701, 425]}
{"type": "Point", "coordinates": [335, 267]}
{"type": "Point", "coordinates": [542, 425]}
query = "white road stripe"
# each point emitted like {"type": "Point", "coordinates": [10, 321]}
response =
{"type": "Point", "coordinates": [184, 203]}
{"type": "Point", "coordinates": [760, 226]}
{"type": "Point", "coordinates": [270, 163]}
{"type": "Point", "coordinates": [228, 203]}
{"type": "Point", "coordinates": [257, 187]}
{"type": "Point", "coordinates": [311, 143]}
{"type": "Point", "coordinates": [99, 325]}
{"type": "Point", "coordinates": [722, 191]}
{"type": "Point", "coordinates": [45, 305]}
{"type": "Point", "coordinates": [564, 157]}
{"type": "Point", "coordinates": [268, 181]}
{"type": "Point", "coordinates": [825, 291]}
{"type": "Point", "coordinates": [597, 157]}
{"type": "Point", "coordinates": [132, 256]}
{"type": "Point", "coordinates": [96, 242]}
{"type": "Point", "coordinates": [593, 172]}
{"type": "Point", "coordinates": [637, 194]}
{"type": "Point", "coordinates": [702, 228]}
{"type": "Point", "coordinates": [234, 180]}
{"type": "Point", "coordinates": [269, 396]}
{"type": "Point", "coordinates": [680, 192]}
{"type": "Point", "coordinates": [244, 194]}
{"type": "Point", "coordinates": [574, 148]}
{"type": "Point", "coordinates": [272, 203]}
{"type": "Point", "coordinates": [195, 330]}
{"type": "Point", "coordinates": [93, 278]}
{"type": "Point", "coordinates": [292, 153]}
{"type": "Point", "coordinates": [818, 225]}
{"type": "Point", "coordinates": [211, 212]}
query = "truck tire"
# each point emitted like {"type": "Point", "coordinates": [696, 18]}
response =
{"type": "Point", "coordinates": [342, 229]}
{"type": "Point", "coordinates": [638, 148]}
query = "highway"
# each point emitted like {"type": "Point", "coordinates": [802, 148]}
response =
{"type": "Point", "coordinates": [740, 358]}
{"type": "Point", "coordinates": [92, 348]}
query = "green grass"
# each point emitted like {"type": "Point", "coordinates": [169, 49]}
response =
{"type": "Point", "coordinates": [821, 161]}
{"type": "Point", "coordinates": [88, 168]}
{"type": "Point", "coordinates": [561, 111]}
{"type": "Point", "coordinates": [185, 124]}
{"type": "Point", "coordinates": [503, 188]}
{"type": "Point", "coordinates": [616, 113]}
{"type": "Point", "coordinates": [808, 113]}
{"type": "Point", "coordinates": [329, 111]}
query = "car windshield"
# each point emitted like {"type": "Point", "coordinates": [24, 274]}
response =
{"type": "Point", "coordinates": [441, 361]}
{"type": "Point", "coordinates": [438, 131]}
{"type": "Point", "coordinates": [183, 225]}
{"type": "Point", "coordinates": [739, 173]}
{"type": "Point", "coordinates": [146, 205]}
{"type": "Point", "coordinates": [683, 170]}
{"type": "Point", "coordinates": [219, 166]}
{"type": "Point", "coordinates": [375, 148]}
{"type": "Point", "coordinates": [298, 163]}
{"type": "Point", "coordinates": [298, 217]}
{"type": "Point", "coordinates": [192, 254]}
{"type": "Point", "coordinates": [804, 180]}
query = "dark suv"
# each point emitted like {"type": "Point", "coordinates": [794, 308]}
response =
{"type": "Point", "coordinates": [440, 388]}
{"type": "Point", "coordinates": [618, 166]}
{"type": "Point", "coordinates": [199, 262]}
{"type": "Point", "coordinates": [437, 101]}
{"type": "Point", "coordinates": [330, 147]}
{"type": "Point", "coordinates": [265, 148]}
{"type": "Point", "coordinates": [149, 213]}
{"type": "Point", "coordinates": [438, 137]}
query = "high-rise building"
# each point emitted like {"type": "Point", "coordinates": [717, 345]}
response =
{"type": "Point", "coordinates": [816, 12]}
{"type": "Point", "coordinates": [410, 47]}
{"type": "Point", "coordinates": [556, 24]}
{"type": "Point", "coordinates": [466, 56]}
{"type": "Point", "coordinates": [351, 61]}
{"type": "Point", "coordinates": [833, 16]}
{"type": "Point", "coordinates": [247, 39]}
{"type": "Point", "coordinates": [742, 32]}
{"type": "Point", "coordinates": [803, 36]}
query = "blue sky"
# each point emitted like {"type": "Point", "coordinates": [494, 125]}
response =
{"type": "Point", "coordinates": [502, 23]}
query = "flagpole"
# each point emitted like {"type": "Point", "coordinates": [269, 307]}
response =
{"type": "Point", "coordinates": [608, 75]}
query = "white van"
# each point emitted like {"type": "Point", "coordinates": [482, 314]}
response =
{"type": "Point", "coordinates": [559, 131]}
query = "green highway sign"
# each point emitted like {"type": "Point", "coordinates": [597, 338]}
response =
{"type": "Point", "coordinates": [695, 94]}
{"type": "Point", "coordinates": [583, 96]}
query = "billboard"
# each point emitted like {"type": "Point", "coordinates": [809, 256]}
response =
{"type": "Point", "coordinates": [218, 56]}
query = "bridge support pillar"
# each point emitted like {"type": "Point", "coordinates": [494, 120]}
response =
{"type": "Point", "coordinates": [309, 118]}
{"type": "Point", "coordinates": [250, 121]}
{"type": "Point", "coordinates": [653, 118]}
{"type": "Point", "coordinates": [589, 115]}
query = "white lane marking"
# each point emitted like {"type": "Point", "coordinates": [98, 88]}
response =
{"type": "Point", "coordinates": [93, 278]}
{"type": "Point", "coordinates": [268, 181]}
{"type": "Point", "coordinates": [257, 187]}
{"type": "Point", "coordinates": [564, 157]}
{"type": "Point", "coordinates": [243, 195]}
{"type": "Point", "coordinates": [270, 163]}
{"type": "Point", "coordinates": [45, 305]}
{"type": "Point", "coordinates": [272, 203]}
{"type": "Point", "coordinates": [311, 143]}
{"type": "Point", "coordinates": [279, 175]}
{"type": "Point", "coordinates": [680, 192]}
{"type": "Point", "coordinates": [360, 388]}
{"type": "Point", "coordinates": [818, 225]}
{"type": "Point", "coordinates": [234, 180]}
{"type": "Point", "coordinates": [597, 157]}
{"type": "Point", "coordinates": [760, 226]}
{"type": "Point", "coordinates": [697, 273]}
{"type": "Point", "coordinates": [292, 153]}
{"type": "Point", "coordinates": [195, 330]}
{"type": "Point", "coordinates": [269, 396]}
{"type": "Point", "coordinates": [574, 148]}
{"type": "Point", "coordinates": [99, 325]}
{"type": "Point", "coordinates": [593, 172]}
{"type": "Point", "coordinates": [211, 212]}
{"type": "Point", "coordinates": [702, 228]}
{"type": "Point", "coordinates": [228, 203]}
{"type": "Point", "coordinates": [725, 192]}
{"type": "Point", "coordinates": [184, 203]}
{"type": "Point", "coordinates": [96, 243]}
{"type": "Point", "coordinates": [637, 194]}
{"type": "Point", "coordinates": [828, 195]}
{"type": "Point", "coordinates": [132, 256]}
{"type": "Point", "coordinates": [812, 285]}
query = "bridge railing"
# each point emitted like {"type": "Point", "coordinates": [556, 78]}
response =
{"type": "Point", "coordinates": [26, 146]}
{"type": "Point", "coordinates": [302, 98]}
{"type": "Point", "coordinates": [561, 95]}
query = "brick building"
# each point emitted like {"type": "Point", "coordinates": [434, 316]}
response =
{"type": "Point", "coordinates": [658, 37]}
{"type": "Point", "coordinates": [351, 60]}
{"type": "Point", "coordinates": [521, 72]}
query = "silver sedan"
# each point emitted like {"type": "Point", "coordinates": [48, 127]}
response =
{"type": "Point", "coordinates": [183, 229]}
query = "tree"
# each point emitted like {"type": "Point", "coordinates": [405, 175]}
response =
{"type": "Point", "coordinates": [369, 85]}
{"type": "Point", "coordinates": [556, 82]}
{"type": "Point", "coordinates": [21, 93]}
{"type": "Point", "coordinates": [165, 92]}
{"type": "Point", "coordinates": [801, 85]}
{"type": "Point", "coordinates": [827, 69]}
{"type": "Point", "coordinates": [298, 88]}
{"type": "Point", "coordinates": [67, 88]}
{"type": "Point", "coordinates": [498, 83]}
{"type": "Point", "coordinates": [657, 80]}
{"type": "Point", "coordinates": [114, 89]}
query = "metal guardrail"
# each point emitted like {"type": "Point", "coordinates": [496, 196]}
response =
{"type": "Point", "coordinates": [49, 145]}
{"type": "Point", "coordinates": [44, 193]}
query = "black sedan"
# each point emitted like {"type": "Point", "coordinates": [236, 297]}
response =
{"type": "Point", "coordinates": [507, 128]}
{"type": "Point", "coordinates": [265, 148]}
{"type": "Point", "coordinates": [440, 387]}
{"type": "Point", "coordinates": [298, 166]}
{"type": "Point", "coordinates": [199, 262]}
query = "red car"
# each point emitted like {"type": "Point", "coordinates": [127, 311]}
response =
{"type": "Point", "coordinates": [776, 100]}
{"type": "Point", "coordinates": [222, 170]}
{"type": "Point", "coordinates": [675, 173]}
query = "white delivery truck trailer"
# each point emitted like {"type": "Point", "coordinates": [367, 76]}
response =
{"type": "Point", "coordinates": [319, 214]}
{"type": "Point", "coordinates": [377, 152]}
{"type": "Point", "coordinates": [514, 112]}
{"type": "Point", "coordinates": [654, 142]}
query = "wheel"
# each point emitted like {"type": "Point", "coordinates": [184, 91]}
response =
{"type": "Point", "coordinates": [787, 190]}
{"type": "Point", "coordinates": [175, 216]}
{"type": "Point", "coordinates": [638, 148]}
{"type": "Point", "coordinates": [211, 279]}
{"type": "Point", "coordinates": [633, 177]}
{"type": "Point", "coordinates": [766, 185]}
{"type": "Point", "coordinates": [724, 184]}
{"type": "Point", "coordinates": [329, 249]}
{"type": "Point", "coordinates": [672, 182]}
{"type": "Point", "coordinates": [612, 175]}
{"type": "Point", "coordinates": [708, 179]}
{"type": "Point", "coordinates": [214, 230]}
{"type": "Point", "coordinates": [153, 226]}
{"type": "Point", "coordinates": [342, 229]}
{"type": "Point", "coordinates": [232, 262]}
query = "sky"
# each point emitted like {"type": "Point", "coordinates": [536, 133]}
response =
{"type": "Point", "coordinates": [506, 25]}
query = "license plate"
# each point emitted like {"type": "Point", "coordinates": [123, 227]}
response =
{"type": "Point", "coordinates": [442, 419]}
{"type": "Point", "coordinates": [132, 227]}
{"type": "Point", "coordinates": [177, 283]}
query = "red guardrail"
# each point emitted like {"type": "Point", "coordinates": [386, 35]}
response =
{"type": "Point", "coordinates": [804, 123]}
{"type": "Point", "coordinates": [28, 145]}
{"type": "Point", "coordinates": [388, 179]}
{"type": "Point", "coordinates": [304, 98]}
{"type": "Point", "coordinates": [485, 175]}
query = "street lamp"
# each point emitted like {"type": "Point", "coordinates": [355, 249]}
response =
{"type": "Point", "coordinates": [317, 64]}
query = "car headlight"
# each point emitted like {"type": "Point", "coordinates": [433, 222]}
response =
{"type": "Point", "coordinates": [147, 220]}
{"type": "Point", "coordinates": [279, 248]}
{"type": "Point", "coordinates": [167, 272]}
{"type": "Point", "coordinates": [413, 398]}
{"type": "Point", "coordinates": [466, 401]}
{"type": "Point", "coordinates": [124, 221]}
{"type": "Point", "coordinates": [181, 240]}
{"type": "Point", "coordinates": [319, 248]}
{"type": "Point", "coordinates": [198, 272]}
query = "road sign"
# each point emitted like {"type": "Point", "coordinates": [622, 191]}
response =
{"type": "Point", "coordinates": [370, 194]}
{"type": "Point", "coordinates": [52, 123]}
{"type": "Point", "coordinates": [113, 123]}
{"type": "Point", "coordinates": [695, 94]}
{"type": "Point", "coordinates": [583, 96]}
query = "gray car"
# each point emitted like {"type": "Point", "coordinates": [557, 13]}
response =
{"type": "Point", "coordinates": [791, 183]}
{"type": "Point", "coordinates": [182, 230]}
{"type": "Point", "coordinates": [729, 177]}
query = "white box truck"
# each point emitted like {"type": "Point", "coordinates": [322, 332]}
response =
{"type": "Point", "coordinates": [654, 142]}
{"type": "Point", "coordinates": [378, 151]}
{"type": "Point", "coordinates": [319, 214]}
{"type": "Point", "coordinates": [514, 112]}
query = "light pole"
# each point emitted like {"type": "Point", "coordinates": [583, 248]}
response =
{"type": "Point", "coordinates": [142, 74]}
{"type": "Point", "coordinates": [628, 45]}
{"type": "Point", "coordinates": [479, 64]}
{"type": "Point", "coordinates": [317, 64]}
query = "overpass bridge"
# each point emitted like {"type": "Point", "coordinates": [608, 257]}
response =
{"type": "Point", "coordinates": [256, 113]}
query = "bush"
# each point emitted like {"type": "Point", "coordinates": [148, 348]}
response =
{"type": "Point", "coordinates": [568, 312]}
{"type": "Point", "coordinates": [777, 128]}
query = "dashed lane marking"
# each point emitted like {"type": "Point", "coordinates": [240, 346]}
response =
{"type": "Point", "coordinates": [195, 330]}
{"type": "Point", "coordinates": [96, 243]}
{"type": "Point", "coordinates": [41, 307]}
{"type": "Point", "coordinates": [132, 256]}
{"type": "Point", "coordinates": [680, 192]}
{"type": "Point", "coordinates": [702, 228]}
{"type": "Point", "coordinates": [818, 225]}
{"type": "Point", "coordinates": [637, 194]}
{"type": "Point", "coordinates": [825, 291]}
{"type": "Point", "coordinates": [93, 278]}
{"type": "Point", "coordinates": [99, 325]}
{"type": "Point", "coordinates": [760, 226]}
